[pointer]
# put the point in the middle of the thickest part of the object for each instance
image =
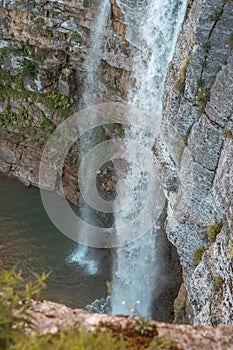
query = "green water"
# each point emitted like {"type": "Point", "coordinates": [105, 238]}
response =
{"type": "Point", "coordinates": [29, 239]}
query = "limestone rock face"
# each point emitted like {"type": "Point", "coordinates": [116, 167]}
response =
{"type": "Point", "coordinates": [51, 317]}
{"type": "Point", "coordinates": [195, 149]}
{"type": "Point", "coordinates": [44, 46]}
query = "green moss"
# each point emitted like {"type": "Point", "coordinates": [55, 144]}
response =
{"type": "Point", "coordinates": [230, 253]}
{"type": "Point", "coordinates": [217, 283]}
{"type": "Point", "coordinates": [39, 22]}
{"type": "Point", "coordinates": [231, 41]}
{"type": "Point", "coordinates": [200, 83]}
{"type": "Point", "coordinates": [54, 100]}
{"type": "Point", "coordinates": [76, 37]}
{"type": "Point", "coordinates": [180, 312]}
{"type": "Point", "coordinates": [29, 68]}
{"type": "Point", "coordinates": [182, 144]}
{"type": "Point", "coordinates": [218, 13]}
{"type": "Point", "coordinates": [203, 64]}
{"type": "Point", "coordinates": [203, 97]}
{"type": "Point", "coordinates": [227, 133]}
{"type": "Point", "coordinates": [197, 256]}
{"type": "Point", "coordinates": [206, 46]}
{"type": "Point", "coordinates": [117, 129]}
{"type": "Point", "coordinates": [213, 231]}
{"type": "Point", "coordinates": [161, 343]}
{"type": "Point", "coordinates": [180, 83]}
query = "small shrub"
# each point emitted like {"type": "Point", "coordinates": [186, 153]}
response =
{"type": "Point", "coordinates": [142, 326]}
{"type": "Point", "coordinates": [197, 256]}
{"type": "Point", "coordinates": [15, 298]}
{"type": "Point", "coordinates": [213, 231]}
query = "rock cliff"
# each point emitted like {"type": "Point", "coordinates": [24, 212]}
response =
{"type": "Point", "coordinates": [51, 317]}
{"type": "Point", "coordinates": [43, 51]}
{"type": "Point", "coordinates": [195, 154]}
{"type": "Point", "coordinates": [43, 47]}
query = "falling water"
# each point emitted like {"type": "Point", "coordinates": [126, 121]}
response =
{"type": "Point", "coordinates": [152, 27]}
{"type": "Point", "coordinates": [82, 255]}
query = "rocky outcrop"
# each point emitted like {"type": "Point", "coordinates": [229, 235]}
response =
{"type": "Point", "coordinates": [43, 51]}
{"type": "Point", "coordinates": [51, 317]}
{"type": "Point", "coordinates": [195, 150]}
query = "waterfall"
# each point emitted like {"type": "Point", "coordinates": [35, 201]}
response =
{"type": "Point", "coordinates": [152, 27]}
{"type": "Point", "coordinates": [82, 255]}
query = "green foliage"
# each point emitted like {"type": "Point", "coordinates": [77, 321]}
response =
{"type": "Point", "coordinates": [197, 256]}
{"type": "Point", "coordinates": [28, 68]}
{"type": "Point", "coordinates": [218, 283]}
{"type": "Point", "coordinates": [227, 133]}
{"type": "Point", "coordinates": [161, 343]}
{"type": "Point", "coordinates": [142, 325]}
{"type": "Point", "coordinates": [213, 231]}
{"type": "Point", "coordinates": [70, 340]}
{"type": "Point", "coordinates": [15, 298]}
{"type": "Point", "coordinates": [180, 83]}
{"type": "Point", "coordinates": [8, 117]}
{"type": "Point", "coordinates": [59, 101]}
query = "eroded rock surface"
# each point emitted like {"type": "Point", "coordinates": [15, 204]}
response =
{"type": "Point", "coordinates": [195, 151]}
{"type": "Point", "coordinates": [44, 46]}
{"type": "Point", "coordinates": [50, 317]}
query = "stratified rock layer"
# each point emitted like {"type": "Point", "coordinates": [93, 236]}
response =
{"type": "Point", "coordinates": [196, 151]}
{"type": "Point", "coordinates": [51, 317]}
{"type": "Point", "coordinates": [44, 48]}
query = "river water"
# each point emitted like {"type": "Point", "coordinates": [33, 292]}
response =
{"type": "Point", "coordinates": [30, 240]}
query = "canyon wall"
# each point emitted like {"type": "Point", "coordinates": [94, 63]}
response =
{"type": "Point", "coordinates": [43, 50]}
{"type": "Point", "coordinates": [195, 152]}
